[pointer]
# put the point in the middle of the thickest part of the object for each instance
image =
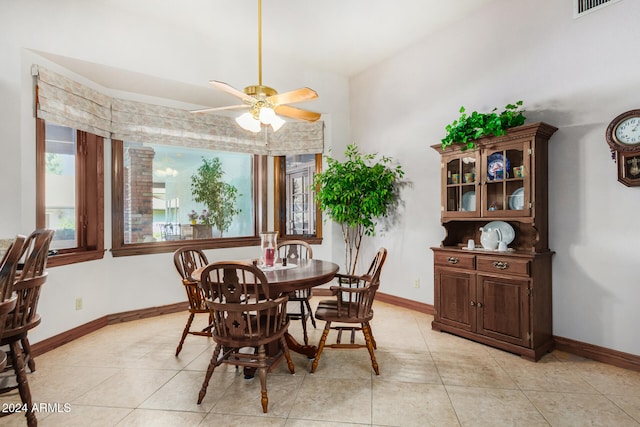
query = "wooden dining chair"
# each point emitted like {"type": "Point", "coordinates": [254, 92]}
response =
{"type": "Point", "coordinates": [35, 254]}
{"type": "Point", "coordinates": [9, 266]}
{"type": "Point", "coordinates": [6, 306]}
{"type": "Point", "coordinates": [187, 260]}
{"type": "Point", "coordinates": [245, 316]}
{"type": "Point", "coordinates": [18, 322]}
{"type": "Point", "coordinates": [292, 251]}
{"type": "Point", "coordinates": [351, 306]}
{"type": "Point", "coordinates": [8, 298]}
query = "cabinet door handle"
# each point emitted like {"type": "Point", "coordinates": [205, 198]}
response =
{"type": "Point", "coordinates": [453, 260]}
{"type": "Point", "coordinates": [472, 303]}
{"type": "Point", "coordinates": [479, 304]}
{"type": "Point", "coordinates": [501, 265]}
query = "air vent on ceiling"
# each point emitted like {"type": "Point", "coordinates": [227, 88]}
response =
{"type": "Point", "coordinates": [582, 7]}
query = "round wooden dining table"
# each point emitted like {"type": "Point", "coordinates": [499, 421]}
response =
{"type": "Point", "coordinates": [304, 274]}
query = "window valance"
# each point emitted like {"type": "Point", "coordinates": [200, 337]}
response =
{"type": "Point", "coordinates": [69, 103]}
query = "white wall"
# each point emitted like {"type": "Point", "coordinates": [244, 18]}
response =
{"type": "Point", "coordinates": [574, 74]}
{"type": "Point", "coordinates": [143, 40]}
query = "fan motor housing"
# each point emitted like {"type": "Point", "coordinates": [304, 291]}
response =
{"type": "Point", "coordinates": [260, 90]}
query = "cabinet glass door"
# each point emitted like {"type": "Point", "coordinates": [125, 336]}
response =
{"type": "Point", "coordinates": [460, 176]}
{"type": "Point", "coordinates": [506, 178]}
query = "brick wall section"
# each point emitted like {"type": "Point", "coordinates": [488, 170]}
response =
{"type": "Point", "coordinates": [138, 194]}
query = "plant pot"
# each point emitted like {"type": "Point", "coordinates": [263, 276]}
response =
{"type": "Point", "coordinates": [202, 231]}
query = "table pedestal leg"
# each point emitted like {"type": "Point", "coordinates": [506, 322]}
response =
{"type": "Point", "coordinates": [306, 350]}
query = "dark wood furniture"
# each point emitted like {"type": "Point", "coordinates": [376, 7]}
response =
{"type": "Point", "coordinates": [352, 304]}
{"type": "Point", "coordinates": [8, 299]}
{"type": "Point", "coordinates": [244, 315]}
{"type": "Point", "coordinates": [299, 308]}
{"type": "Point", "coordinates": [186, 261]}
{"type": "Point", "coordinates": [9, 266]}
{"type": "Point", "coordinates": [6, 307]}
{"type": "Point", "coordinates": [306, 274]}
{"type": "Point", "coordinates": [19, 321]}
{"type": "Point", "coordinates": [623, 137]}
{"type": "Point", "coordinates": [35, 254]}
{"type": "Point", "coordinates": [502, 299]}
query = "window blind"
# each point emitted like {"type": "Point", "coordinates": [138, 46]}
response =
{"type": "Point", "coordinates": [69, 103]}
{"type": "Point", "coordinates": [66, 102]}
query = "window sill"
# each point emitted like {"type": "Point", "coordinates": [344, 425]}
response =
{"type": "Point", "coordinates": [172, 246]}
{"type": "Point", "coordinates": [74, 257]}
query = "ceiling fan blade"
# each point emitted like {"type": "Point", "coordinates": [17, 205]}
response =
{"type": "Point", "coordinates": [229, 107]}
{"type": "Point", "coordinates": [293, 96]}
{"type": "Point", "coordinates": [232, 91]}
{"type": "Point", "coordinates": [297, 113]}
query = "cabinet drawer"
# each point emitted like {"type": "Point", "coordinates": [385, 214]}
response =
{"type": "Point", "coordinates": [503, 265]}
{"type": "Point", "coordinates": [454, 259]}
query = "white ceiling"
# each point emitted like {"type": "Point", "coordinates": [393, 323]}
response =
{"type": "Point", "coordinates": [338, 36]}
{"type": "Point", "coordinates": [347, 36]}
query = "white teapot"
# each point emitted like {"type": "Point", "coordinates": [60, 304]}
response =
{"type": "Point", "coordinates": [490, 237]}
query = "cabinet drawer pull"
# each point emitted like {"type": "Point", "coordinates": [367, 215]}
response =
{"type": "Point", "coordinates": [453, 260]}
{"type": "Point", "coordinates": [501, 265]}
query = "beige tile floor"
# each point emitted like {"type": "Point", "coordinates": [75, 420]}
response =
{"type": "Point", "coordinates": [127, 375]}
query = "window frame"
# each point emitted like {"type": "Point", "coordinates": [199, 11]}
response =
{"type": "Point", "coordinates": [89, 179]}
{"type": "Point", "coordinates": [280, 201]}
{"type": "Point", "coordinates": [119, 248]}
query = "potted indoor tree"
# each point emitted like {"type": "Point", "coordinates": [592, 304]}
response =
{"type": "Point", "coordinates": [208, 187]}
{"type": "Point", "coordinates": [357, 193]}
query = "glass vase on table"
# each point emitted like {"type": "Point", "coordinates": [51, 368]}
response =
{"type": "Point", "coordinates": [268, 246]}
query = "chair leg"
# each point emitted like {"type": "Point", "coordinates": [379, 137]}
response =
{"type": "Point", "coordinates": [26, 352]}
{"type": "Point", "coordinates": [212, 365]}
{"type": "Point", "coordinates": [303, 319]}
{"type": "Point", "coordinates": [185, 332]}
{"type": "Point", "coordinates": [23, 384]}
{"type": "Point", "coordinates": [366, 330]}
{"type": "Point", "coordinates": [313, 320]}
{"type": "Point", "coordinates": [323, 339]}
{"type": "Point", "coordinates": [287, 355]}
{"type": "Point", "coordinates": [262, 374]}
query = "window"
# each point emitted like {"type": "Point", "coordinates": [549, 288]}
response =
{"type": "Point", "coordinates": [69, 191]}
{"type": "Point", "coordinates": [296, 213]}
{"type": "Point", "coordinates": [155, 203]}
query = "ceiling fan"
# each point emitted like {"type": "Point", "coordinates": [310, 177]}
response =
{"type": "Point", "coordinates": [265, 103]}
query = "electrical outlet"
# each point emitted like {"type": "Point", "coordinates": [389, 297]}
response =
{"type": "Point", "coordinates": [78, 303]}
{"type": "Point", "coordinates": [416, 284]}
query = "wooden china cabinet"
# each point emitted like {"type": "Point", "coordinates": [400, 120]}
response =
{"type": "Point", "coordinates": [502, 299]}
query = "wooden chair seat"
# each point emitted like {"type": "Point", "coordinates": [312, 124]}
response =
{"type": "Point", "coordinates": [244, 316]}
{"type": "Point", "coordinates": [346, 313]}
{"type": "Point", "coordinates": [351, 306]}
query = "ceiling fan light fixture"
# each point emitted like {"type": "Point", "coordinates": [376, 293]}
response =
{"type": "Point", "coordinates": [277, 123]}
{"type": "Point", "coordinates": [247, 122]}
{"type": "Point", "coordinates": [267, 115]}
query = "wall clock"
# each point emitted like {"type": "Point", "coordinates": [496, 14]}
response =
{"type": "Point", "coordinates": [623, 137]}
